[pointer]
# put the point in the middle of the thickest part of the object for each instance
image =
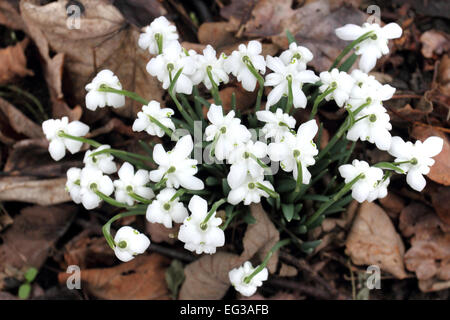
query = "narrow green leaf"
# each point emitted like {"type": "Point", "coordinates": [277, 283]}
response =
{"type": "Point", "coordinates": [24, 291]}
{"type": "Point", "coordinates": [288, 211]}
{"type": "Point", "coordinates": [290, 37]}
{"type": "Point", "coordinates": [31, 274]}
{"type": "Point", "coordinates": [175, 277]}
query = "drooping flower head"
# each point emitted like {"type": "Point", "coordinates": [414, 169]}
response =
{"type": "Point", "coordinates": [416, 159]}
{"type": "Point", "coordinates": [237, 63]}
{"type": "Point", "coordinates": [57, 147]}
{"type": "Point", "coordinates": [373, 47]}
{"type": "Point", "coordinates": [129, 243]}
{"type": "Point", "coordinates": [237, 278]}
{"type": "Point", "coordinates": [103, 161]}
{"type": "Point", "coordinates": [278, 124]}
{"type": "Point", "coordinates": [91, 180]}
{"type": "Point", "coordinates": [153, 111]}
{"type": "Point", "coordinates": [297, 55]}
{"type": "Point", "coordinates": [130, 182]}
{"type": "Point", "coordinates": [97, 99]}
{"type": "Point", "coordinates": [209, 62]}
{"type": "Point", "coordinates": [164, 209]}
{"type": "Point", "coordinates": [176, 166]}
{"type": "Point", "coordinates": [197, 236]}
{"type": "Point", "coordinates": [340, 81]}
{"type": "Point", "coordinates": [247, 189]}
{"type": "Point", "coordinates": [158, 35]}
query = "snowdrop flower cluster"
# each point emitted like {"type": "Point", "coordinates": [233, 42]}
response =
{"type": "Point", "coordinates": [416, 159]}
{"type": "Point", "coordinates": [98, 99]}
{"type": "Point", "coordinates": [237, 278]}
{"type": "Point", "coordinates": [197, 235]}
{"type": "Point", "coordinates": [172, 181]}
{"type": "Point", "coordinates": [53, 128]}
{"type": "Point", "coordinates": [146, 119]}
{"type": "Point", "coordinates": [129, 243]}
{"type": "Point", "coordinates": [375, 45]}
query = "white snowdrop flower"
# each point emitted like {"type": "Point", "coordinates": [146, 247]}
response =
{"type": "Point", "coordinates": [341, 81]}
{"type": "Point", "coordinates": [176, 166]}
{"type": "Point", "coordinates": [366, 184]}
{"type": "Point", "coordinates": [247, 189]}
{"type": "Point", "coordinates": [160, 30]}
{"type": "Point", "coordinates": [243, 160]}
{"type": "Point", "coordinates": [91, 180]}
{"type": "Point", "coordinates": [166, 65]}
{"type": "Point", "coordinates": [236, 63]}
{"type": "Point", "coordinates": [296, 148]}
{"type": "Point", "coordinates": [380, 190]}
{"type": "Point", "coordinates": [372, 124]}
{"type": "Point", "coordinates": [227, 131]}
{"type": "Point", "coordinates": [277, 123]}
{"type": "Point", "coordinates": [373, 47]}
{"type": "Point", "coordinates": [278, 79]}
{"type": "Point", "coordinates": [237, 278]}
{"type": "Point", "coordinates": [209, 61]}
{"type": "Point", "coordinates": [416, 159]}
{"type": "Point", "coordinates": [103, 161]}
{"type": "Point", "coordinates": [57, 147]}
{"type": "Point", "coordinates": [197, 236]}
{"type": "Point", "coordinates": [164, 210]}
{"type": "Point", "coordinates": [131, 182]}
{"type": "Point", "coordinates": [153, 111]}
{"type": "Point", "coordinates": [367, 87]}
{"type": "Point", "coordinates": [129, 243]}
{"type": "Point", "coordinates": [73, 184]}
{"type": "Point", "coordinates": [97, 99]}
{"type": "Point", "coordinates": [297, 55]}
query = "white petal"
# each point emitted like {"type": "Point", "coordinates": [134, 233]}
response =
{"type": "Point", "coordinates": [349, 32]}
{"type": "Point", "coordinates": [57, 149]}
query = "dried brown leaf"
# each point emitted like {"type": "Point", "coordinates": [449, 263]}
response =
{"type": "Point", "coordinates": [434, 42]}
{"type": "Point", "coordinates": [41, 192]}
{"type": "Point", "coordinates": [373, 240]}
{"type": "Point", "coordinates": [139, 279]}
{"type": "Point", "coordinates": [34, 232]}
{"type": "Point", "coordinates": [13, 62]}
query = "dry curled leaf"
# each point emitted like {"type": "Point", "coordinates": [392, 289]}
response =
{"type": "Point", "coordinates": [13, 62]}
{"type": "Point", "coordinates": [434, 42]}
{"type": "Point", "coordinates": [207, 277]}
{"type": "Point", "coordinates": [25, 189]}
{"type": "Point", "coordinates": [429, 255]}
{"type": "Point", "coordinates": [373, 240]}
{"type": "Point", "coordinates": [440, 171]}
{"type": "Point", "coordinates": [139, 279]}
{"type": "Point", "coordinates": [34, 232]}
{"type": "Point", "coordinates": [103, 41]}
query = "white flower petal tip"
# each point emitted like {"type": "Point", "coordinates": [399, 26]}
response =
{"type": "Point", "coordinates": [129, 243]}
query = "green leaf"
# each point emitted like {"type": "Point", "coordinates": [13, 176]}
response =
{"type": "Point", "coordinates": [288, 211]}
{"type": "Point", "coordinates": [347, 64]}
{"type": "Point", "coordinates": [286, 185]}
{"type": "Point", "coordinates": [31, 274]}
{"type": "Point", "coordinates": [212, 181]}
{"type": "Point", "coordinates": [316, 197]}
{"type": "Point", "coordinates": [226, 188]}
{"type": "Point", "coordinates": [309, 246]}
{"type": "Point", "coordinates": [248, 218]}
{"type": "Point", "coordinates": [24, 291]}
{"type": "Point", "coordinates": [175, 277]}
{"type": "Point", "coordinates": [290, 37]}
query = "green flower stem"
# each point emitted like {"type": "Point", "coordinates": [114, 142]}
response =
{"type": "Point", "coordinates": [290, 95]}
{"type": "Point", "coordinates": [197, 103]}
{"type": "Point", "coordinates": [270, 192]}
{"type": "Point", "coordinates": [259, 78]}
{"type": "Point", "coordinates": [229, 219]}
{"type": "Point", "coordinates": [161, 183]}
{"type": "Point", "coordinates": [275, 248]}
{"type": "Point", "coordinates": [91, 142]}
{"type": "Point", "coordinates": [391, 166]}
{"type": "Point", "coordinates": [335, 198]}
{"type": "Point", "coordinates": [358, 110]}
{"type": "Point", "coordinates": [186, 105]}
{"type": "Point", "coordinates": [109, 200]}
{"type": "Point", "coordinates": [139, 198]}
{"type": "Point", "coordinates": [107, 227]}
{"type": "Point", "coordinates": [129, 94]}
{"type": "Point", "coordinates": [31, 97]}
{"type": "Point", "coordinates": [318, 100]}
{"type": "Point", "coordinates": [121, 153]}
{"type": "Point", "coordinates": [163, 127]}
{"type": "Point", "coordinates": [350, 47]}
{"type": "Point", "coordinates": [178, 194]}
{"type": "Point", "coordinates": [299, 183]}
{"type": "Point", "coordinates": [173, 95]}
{"type": "Point", "coordinates": [214, 87]}
{"type": "Point", "coordinates": [342, 129]}
{"type": "Point", "coordinates": [213, 210]}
